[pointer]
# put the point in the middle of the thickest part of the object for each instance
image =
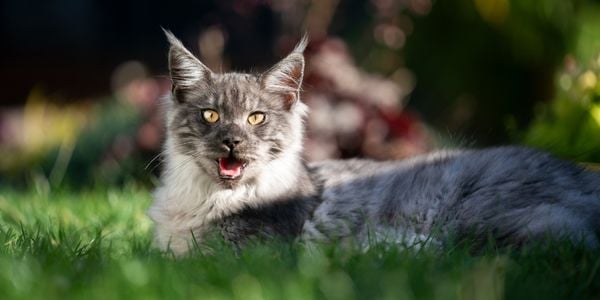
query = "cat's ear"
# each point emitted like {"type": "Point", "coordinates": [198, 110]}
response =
{"type": "Point", "coordinates": [186, 71]}
{"type": "Point", "coordinates": [285, 78]}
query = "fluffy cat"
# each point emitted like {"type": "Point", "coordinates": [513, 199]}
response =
{"type": "Point", "coordinates": [233, 165]}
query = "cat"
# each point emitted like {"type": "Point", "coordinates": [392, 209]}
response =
{"type": "Point", "coordinates": [233, 165]}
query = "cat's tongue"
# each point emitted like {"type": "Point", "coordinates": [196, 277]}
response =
{"type": "Point", "coordinates": [230, 167]}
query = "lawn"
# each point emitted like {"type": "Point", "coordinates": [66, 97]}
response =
{"type": "Point", "coordinates": [95, 244]}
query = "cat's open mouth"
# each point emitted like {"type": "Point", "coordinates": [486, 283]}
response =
{"type": "Point", "coordinates": [230, 167]}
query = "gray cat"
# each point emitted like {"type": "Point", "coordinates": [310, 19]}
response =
{"type": "Point", "coordinates": [233, 165]}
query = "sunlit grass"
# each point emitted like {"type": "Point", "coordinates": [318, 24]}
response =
{"type": "Point", "coordinates": [96, 245]}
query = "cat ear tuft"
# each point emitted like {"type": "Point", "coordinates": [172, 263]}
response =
{"type": "Point", "coordinates": [285, 78]}
{"type": "Point", "coordinates": [186, 70]}
{"type": "Point", "coordinates": [301, 46]}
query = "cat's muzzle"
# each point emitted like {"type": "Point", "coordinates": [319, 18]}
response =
{"type": "Point", "coordinates": [231, 168]}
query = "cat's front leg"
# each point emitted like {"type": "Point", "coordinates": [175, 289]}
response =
{"type": "Point", "coordinates": [171, 240]}
{"type": "Point", "coordinates": [176, 231]}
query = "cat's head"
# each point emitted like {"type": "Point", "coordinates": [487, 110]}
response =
{"type": "Point", "coordinates": [235, 127]}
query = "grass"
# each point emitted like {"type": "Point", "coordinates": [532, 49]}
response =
{"type": "Point", "coordinates": [96, 245]}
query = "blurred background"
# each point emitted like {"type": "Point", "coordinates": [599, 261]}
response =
{"type": "Point", "coordinates": [82, 80]}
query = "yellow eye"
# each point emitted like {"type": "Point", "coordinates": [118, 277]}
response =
{"type": "Point", "coordinates": [256, 118]}
{"type": "Point", "coordinates": [210, 115]}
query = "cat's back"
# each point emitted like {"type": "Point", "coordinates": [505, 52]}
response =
{"type": "Point", "coordinates": [503, 188]}
{"type": "Point", "coordinates": [492, 166]}
{"type": "Point", "coordinates": [332, 173]}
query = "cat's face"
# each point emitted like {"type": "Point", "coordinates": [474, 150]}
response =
{"type": "Point", "coordinates": [233, 125]}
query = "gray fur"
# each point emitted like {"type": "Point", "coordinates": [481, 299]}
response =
{"type": "Point", "coordinates": [512, 194]}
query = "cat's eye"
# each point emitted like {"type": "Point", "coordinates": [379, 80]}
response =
{"type": "Point", "coordinates": [256, 118]}
{"type": "Point", "coordinates": [210, 115]}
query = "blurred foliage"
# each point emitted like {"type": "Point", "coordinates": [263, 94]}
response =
{"type": "Point", "coordinates": [74, 144]}
{"type": "Point", "coordinates": [43, 126]}
{"type": "Point", "coordinates": [569, 125]}
{"type": "Point", "coordinates": [405, 77]}
{"type": "Point", "coordinates": [568, 129]}
{"type": "Point", "coordinates": [476, 62]}
{"type": "Point", "coordinates": [105, 141]}
{"type": "Point", "coordinates": [102, 146]}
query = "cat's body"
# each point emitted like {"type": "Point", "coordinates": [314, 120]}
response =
{"type": "Point", "coordinates": [238, 170]}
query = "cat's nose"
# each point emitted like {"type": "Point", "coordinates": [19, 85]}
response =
{"type": "Point", "coordinates": [232, 141]}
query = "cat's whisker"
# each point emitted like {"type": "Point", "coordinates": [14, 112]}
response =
{"type": "Point", "coordinates": [182, 164]}
{"type": "Point", "coordinates": [163, 153]}
{"type": "Point", "coordinates": [155, 158]}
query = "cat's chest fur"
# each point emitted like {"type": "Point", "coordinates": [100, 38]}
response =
{"type": "Point", "coordinates": [189, 203]}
